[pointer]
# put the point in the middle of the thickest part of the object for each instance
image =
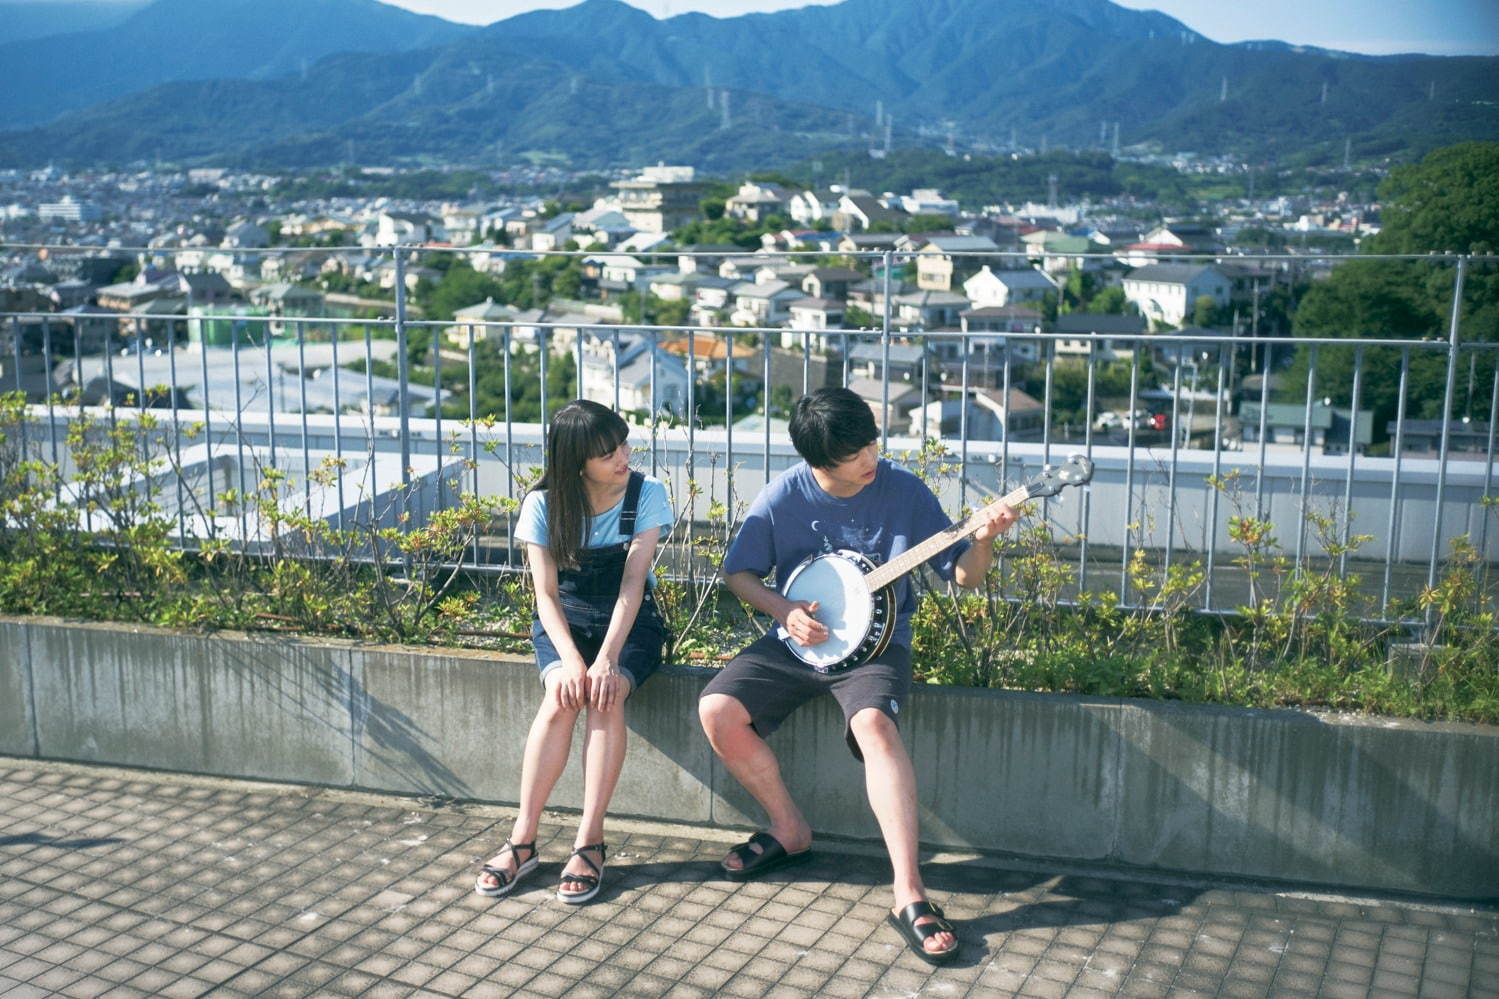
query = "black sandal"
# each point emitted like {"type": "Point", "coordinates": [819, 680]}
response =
{"type": "Point", "coordinates": [590, 882]}
{"type": "Point", "coordinates": [917, 936]}
{"type": "Point", "coordinates": [506, 880]}
{"type": "Point", "coordinates": [772, 857]}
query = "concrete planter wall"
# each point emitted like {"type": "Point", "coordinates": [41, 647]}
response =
{"type": "Point", "coordinates": [1370, 803]}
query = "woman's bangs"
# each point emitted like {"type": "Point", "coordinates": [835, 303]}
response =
{"type": "Point", "coordinates": [607, 441]}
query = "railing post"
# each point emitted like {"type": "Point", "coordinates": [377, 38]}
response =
{"type": "Point", "coordinates": [885, 370]}
{"type": "Point", "coordinates": [403, 375]}
{"type": "Point", "coordinates": [1447, 393]}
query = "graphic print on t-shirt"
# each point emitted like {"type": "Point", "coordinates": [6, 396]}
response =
{"type": "Point", "coordinates": [866, 539]}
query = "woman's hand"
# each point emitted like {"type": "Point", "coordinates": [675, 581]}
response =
{"type": "Point", "coordinates": [607, 686]}
{"type": "Point", "coordinates": [572, 687]}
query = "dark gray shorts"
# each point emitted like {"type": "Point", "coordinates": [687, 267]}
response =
{"type": "Point", "coordinates": [771, 683]}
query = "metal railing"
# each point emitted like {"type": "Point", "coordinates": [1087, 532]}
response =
{"type": "Point", "coordinates": [1159, 486]}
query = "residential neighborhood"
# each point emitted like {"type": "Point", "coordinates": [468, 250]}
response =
{"type": "Point", "coordinates": [978, 300]}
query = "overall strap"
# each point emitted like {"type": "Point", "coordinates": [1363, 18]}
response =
{"type": "Point", "coordinates": [632, 500]}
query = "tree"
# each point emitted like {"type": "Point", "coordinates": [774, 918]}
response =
{"type": "Point", "coordinates": [1448, 203]}
{"type": "Point", "coordinates": [1206, 313]}
{"type": "Point", "coordinates": [712, 209]}
{"type": "Point", "coordinates": [1111, 302]}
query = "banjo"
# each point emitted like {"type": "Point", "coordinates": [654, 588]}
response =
{"type": "Point", "coordinates": [856, 598]}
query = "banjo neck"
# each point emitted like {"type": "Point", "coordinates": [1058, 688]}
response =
{"type": "Point", "coordinates": [917, 554]}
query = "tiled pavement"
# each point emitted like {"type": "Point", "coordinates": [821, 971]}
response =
{"type": "Point", "coordinates": [126, 883]}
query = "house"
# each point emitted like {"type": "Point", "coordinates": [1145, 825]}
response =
{"type": "Point", "coordinates": [1184, 237]}
{"type": "Point", "coordinates": [936, 265]}
{"type": "Point", "coordinates": [813, 314]}
{"type": "Point", "coordinates": [767, 304]}
{"type": "Point", "coordinates": [467, 323]}
{"type": "Point", "coordinates": [1190, 355]}
{"type": "Point", "coordinates": [661, 198]}
{"type": "Point", "coordinates": [675, 286]}
{"type": "Point", "coordinates": [859, 212]}
{"type": "Point", "coordinates": [712, 300]}
{"type": "Point", "coordinates": [620, 273]}
{"type": "Point", "coordinates": [557, 326]}
{"type": "Point", "coordinates": [756, 202]}
{"type": "Point", "coordinates": [990, 415]}
{"type": "Point", "coordinates": [384, 275]}
{"type": "Point", "coordinates": [1168, 293]}
{"type": "Point", "coordinates": [149, 285]}
{"type": "Point", "coordinates": [288, 301]}
{"type": "Point", "coordinates": [550, 234]}
{"type": "Point", "coordinates": [642, 242]}
{"type": "Point", "coordinates": [405, 228]}
{"type": "Point", "coordinates": [869, 294]}
{"type": "Point", "coordinates": [1465, 438]}
{"type": "Point", "coordinates": [644, 372]}
{"type": "Point", "coordinates": [926, 310]}
{"type": "Point", "coordinates": [603, 227]}
{"type": "Point", "coordinates": [1058, 251]}
{"type": "Point", "coordinates": [1073, 325]}
{"type": "Point", "coordinates": [706, 257]}
{"type": "Point", "coordinates": [903, 398]}
{"type": "Point", "coordinates": [1140, 254]}
{"type": "Point", "coordinates": [928, 201]}
{"type": "Point", "coordinates": [1286, 423]}
{"type": "Point", "coordinates": [782, 270]}
{"type": "Point", "coordinates": [1007, 287]}
{"type": "Point", "coordinates": [706, 354]}
{"type": "Point", "coordinates": [800, 241]}
{"type": "Point", "coordinates": [463, 224]}
{"type": "Point", "coordinates": [989, 333]}
{"type": "Point", "coordinates": [906, 361]}
{"type": "Point", "coordinates": [830, 282]}
{"type": "Point", "coordinates": [813, 206]}
{"type": "Point", "coordinates": [246, 236]}
{"type": "Point", "coordinates": [868, 242]}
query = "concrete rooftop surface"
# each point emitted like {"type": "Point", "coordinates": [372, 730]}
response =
{"type": "Point", "coordinates": [132, 883]}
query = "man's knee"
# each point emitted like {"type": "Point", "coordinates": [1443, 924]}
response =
{"type": "Point", "coordinates": [874, 730]}
{"type": "Point", "coordinates": [721, 715]}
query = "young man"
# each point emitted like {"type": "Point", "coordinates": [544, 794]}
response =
{"type": "Point", "coordinates": [843, 495]}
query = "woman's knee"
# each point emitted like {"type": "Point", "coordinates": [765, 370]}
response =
{"type": "Point", "coordinates": [552, 711]}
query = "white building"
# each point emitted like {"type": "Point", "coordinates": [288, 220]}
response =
{"type": "Point", "coordinates": [1168, 293]}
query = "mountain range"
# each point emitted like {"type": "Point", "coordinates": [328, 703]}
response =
{"type": "Point", "coordinates": [311, 82]}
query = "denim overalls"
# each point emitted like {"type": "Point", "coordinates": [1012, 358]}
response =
{"type": "Point", "coordinates": [588, 594]}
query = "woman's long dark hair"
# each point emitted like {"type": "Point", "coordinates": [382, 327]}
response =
{"type": "Point", "coordinates": [580, 430]}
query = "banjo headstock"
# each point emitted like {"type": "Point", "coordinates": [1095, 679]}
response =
{"type": "Point", "coordinates": [1077, 470]}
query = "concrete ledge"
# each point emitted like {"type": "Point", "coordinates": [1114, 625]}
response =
{"type": "Point", "coordinates": [1349, 802]}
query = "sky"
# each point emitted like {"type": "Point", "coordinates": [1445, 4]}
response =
{"type": "Point", "coordinates": [1376, 27]}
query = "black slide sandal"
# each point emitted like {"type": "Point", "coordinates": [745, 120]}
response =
{"type": "Point", "coordinates": [772, 858]}
{"type": "Point", "coordinates": [916, 936]}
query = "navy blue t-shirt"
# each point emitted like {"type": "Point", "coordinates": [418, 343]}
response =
{"type": "Point", "coordinates": [793, 517]}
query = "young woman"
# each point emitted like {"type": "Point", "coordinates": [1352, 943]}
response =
{"type": "Point", "coordinates": [590, 528]}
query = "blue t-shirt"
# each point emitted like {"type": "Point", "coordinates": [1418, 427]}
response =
{"type": "Point", "coordinates": [793, 517]}
{"type": "Point", "coordinates": [652, 510]}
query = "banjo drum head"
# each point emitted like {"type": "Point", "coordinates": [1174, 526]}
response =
{"type": "Point", "coordinates": [845, 606]}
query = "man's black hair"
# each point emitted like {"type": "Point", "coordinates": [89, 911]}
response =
{"type": "Point", "coordinates": [831, 425]}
